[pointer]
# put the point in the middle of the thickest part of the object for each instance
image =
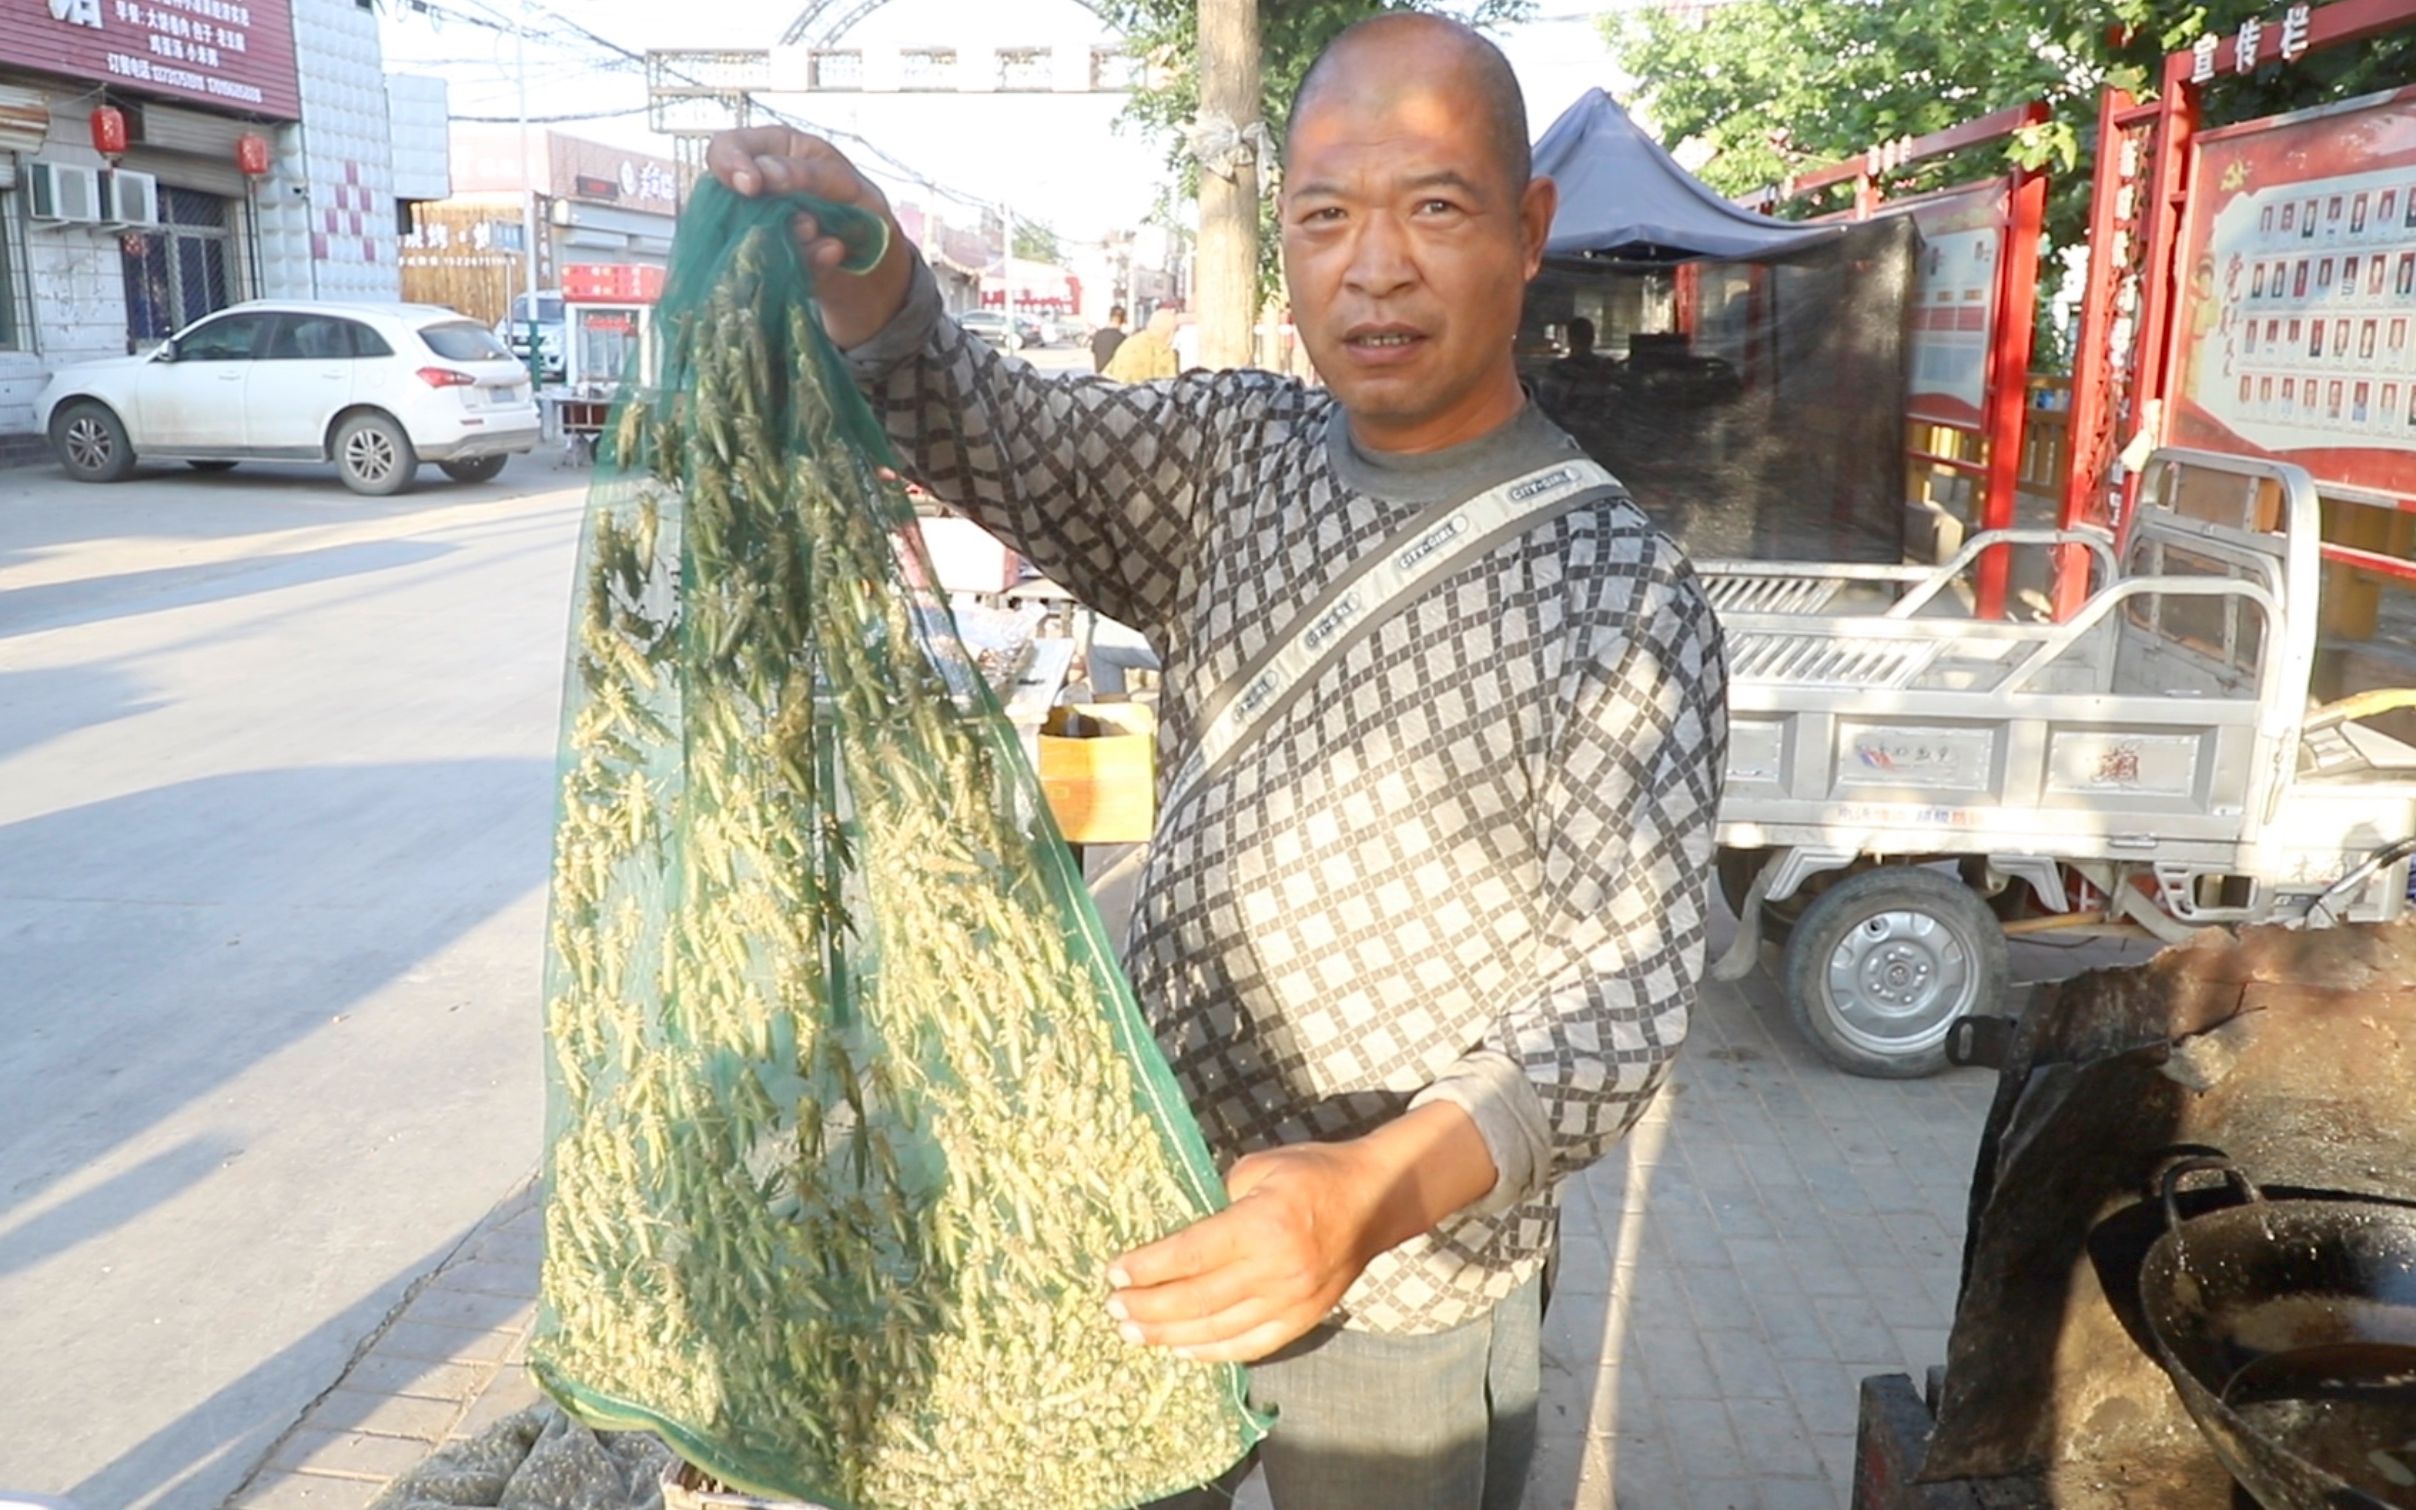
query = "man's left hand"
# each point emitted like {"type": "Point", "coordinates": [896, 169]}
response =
{"type": "Point", "coordinates": [1262, 1271]}
{"type": "Point", "coordinates": [1305, 1220]}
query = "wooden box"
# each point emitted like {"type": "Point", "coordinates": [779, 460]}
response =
{"type": "Point", "coordinates": [1098, 771]}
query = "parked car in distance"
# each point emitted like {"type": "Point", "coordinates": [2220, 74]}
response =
{"type": "Point", "coordinates": [375, 388]}
{"type": "Point", "coordinates": [553, 333]}
{"type": "Point", "coordinates": [993, 328]}
{"type": "Point", "coordinates": [1065, 330]}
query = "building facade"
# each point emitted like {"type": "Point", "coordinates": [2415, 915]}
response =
{"type": "Point", "coordinates": [598, 210]}
{"type": "Point", "coordinates": [106, 254]}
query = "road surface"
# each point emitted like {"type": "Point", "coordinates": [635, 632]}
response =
{"type": "Point", "coordinates": [275, 769]}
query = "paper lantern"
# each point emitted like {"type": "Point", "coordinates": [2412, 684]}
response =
{"type": "Point", "coordinates": [109, 134]}
{"type": "Point", "coordinates": [251, 155]}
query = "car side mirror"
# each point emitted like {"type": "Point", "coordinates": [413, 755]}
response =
{"type": "Point", "coordinates": [166, 352]}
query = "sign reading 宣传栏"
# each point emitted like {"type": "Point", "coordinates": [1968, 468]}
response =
{"type": "Point", "coordinates": [236, 55]}
{"type": "Point", "coordinates": [2297, 330]}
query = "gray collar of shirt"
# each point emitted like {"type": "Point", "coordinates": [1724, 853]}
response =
{"type": "Point", "coordinates": [1520, 445]}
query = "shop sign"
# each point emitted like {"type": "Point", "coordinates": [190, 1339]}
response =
{"type": "Point", "coordinates": [611, 283]}
{"type": "Point", "coordinates": [233, 55]}
{"type": "Point", "coordinates": [2296, 331]}
{"type": "Point", "coordinates": [598, 174]}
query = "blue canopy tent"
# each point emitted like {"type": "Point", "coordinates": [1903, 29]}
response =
{"type": "Point", "coordinates": [1623, 195]}
{"type": "Point", "coordinates": [1722, 363]}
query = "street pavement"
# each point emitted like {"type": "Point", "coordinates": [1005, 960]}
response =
{"type": "Point", "coordinates": [1772, 1233]}
{"type": "Point", "coordinates": [275, 771]}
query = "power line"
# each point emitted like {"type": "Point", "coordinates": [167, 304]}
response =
{"type": "Point", "coordinates": [569, 118]}
{"type": "Point", "coordinates": [626, 56]}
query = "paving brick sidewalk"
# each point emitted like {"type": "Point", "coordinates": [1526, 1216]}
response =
{"type": "Point", "coordinates": [1773, 1232]}
{"type": "Point", "coordinates": [447, 1365]}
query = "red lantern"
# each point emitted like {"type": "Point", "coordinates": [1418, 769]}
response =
{"type": "Point", "coordinates": [251, 155]}
{"type": "Point", "coordinates": [109, 136]}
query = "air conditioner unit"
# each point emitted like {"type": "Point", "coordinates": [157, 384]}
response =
{"type": "Point", "coordinates": [129, 198]}
{"type": "Point", "coordinates": [64, 193]}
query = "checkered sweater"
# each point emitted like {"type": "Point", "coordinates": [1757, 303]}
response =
{"type": "Point", "coordinates": [1468, 865]}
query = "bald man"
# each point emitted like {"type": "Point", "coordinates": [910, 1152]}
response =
{"type": "Point", "coordinates": [1442, 730]}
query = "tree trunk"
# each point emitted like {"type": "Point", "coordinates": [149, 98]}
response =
{"type": "Point", "coordinates": [1228, 252]}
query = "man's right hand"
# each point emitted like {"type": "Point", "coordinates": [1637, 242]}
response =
{"type": "Point", "coordinates": [777, 160]}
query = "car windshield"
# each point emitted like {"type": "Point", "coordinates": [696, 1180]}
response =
{"type": "Point", "coordinates": [549, 309]}
{"type": "Point", "coordinates": [461, 341]}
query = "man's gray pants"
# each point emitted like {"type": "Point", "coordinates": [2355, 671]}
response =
{"type": "Point", "coordinates": [1365, 1422]}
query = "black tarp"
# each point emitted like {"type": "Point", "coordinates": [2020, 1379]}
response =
{"type": "Point", "coordinates": [1746, 377]}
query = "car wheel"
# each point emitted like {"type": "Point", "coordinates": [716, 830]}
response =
{"type": "Point", "coordinates": [374, 456]}
{"type": "Point", "coordinates": [211, 466]}
{"type": "Point", "coordinates": [1883, 963]}
{"type": "Point", "coordinates": [480, 469]}
{"type": "Point", "coordinates": [91, 443]}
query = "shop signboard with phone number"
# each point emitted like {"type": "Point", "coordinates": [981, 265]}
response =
{"type": "Point", "coordinates": [231, 55]}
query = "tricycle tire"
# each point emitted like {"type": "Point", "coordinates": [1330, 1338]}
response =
{"type": "Point", "coordinates": [1881, 965]}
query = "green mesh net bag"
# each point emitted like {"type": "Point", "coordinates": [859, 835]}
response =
{"type": "Point", "coordinates": [850, 1107]}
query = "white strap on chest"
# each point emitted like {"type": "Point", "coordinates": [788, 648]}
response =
{"type": "Point", "coordinates": [1377, 587]}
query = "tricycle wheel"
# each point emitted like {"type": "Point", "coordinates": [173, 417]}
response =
{"type": "Point", "coordinates": [1882, 963]}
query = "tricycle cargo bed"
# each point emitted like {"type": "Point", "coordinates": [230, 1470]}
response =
{"type": "Point", "coordinates": [2153, 758]}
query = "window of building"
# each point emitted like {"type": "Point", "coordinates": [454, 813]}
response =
{"type": "Point", "coordinates": [14, 316]}
{"type": "Point", "coordinates": [181, 271]}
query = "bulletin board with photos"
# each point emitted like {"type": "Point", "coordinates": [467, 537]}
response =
{"type": "Point", "coordinates": [1963, 236]}
{"type": "Point", "coordinates": [2297, 331]}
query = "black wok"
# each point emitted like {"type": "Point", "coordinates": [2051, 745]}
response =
{"type": "Point", "coordinates": [2289, 1328]}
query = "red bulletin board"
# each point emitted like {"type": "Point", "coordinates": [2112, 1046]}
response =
{"type": "Point", "coordinates": [1955, 301]}
{"type": "Point", "coordinates": [2296, 335]}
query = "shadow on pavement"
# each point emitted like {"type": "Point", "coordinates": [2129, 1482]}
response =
{"type": "Point", "coordinates": [212, 923]}
{"type": "Point", "coordinates": [113, 1202]}
{"type": "Point", "coordinates": [42, 704]}
{"type": "Point", "coordinates": [237, 1425]}
{"type": "Point", "coordinates": [90, 600]}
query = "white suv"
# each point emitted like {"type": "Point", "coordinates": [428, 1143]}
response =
{"type": "Point", "coordinates": [376, 388]}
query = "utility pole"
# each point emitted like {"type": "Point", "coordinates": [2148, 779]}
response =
{"type": "Point", "coordinates": [1228, 250]}
{"type": "Point", "coordinates": [1006, 270]}
{"type": "Point", "coordinates": [528, 206]}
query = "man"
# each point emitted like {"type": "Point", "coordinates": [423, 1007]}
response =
{"type": "Point", "coordinates": [1583, 366]}
{"type": "Point", "coordinates": [1429, 949]}
{"type": "Point", "coordinates": [1148, 354]}
{"type": "Point", "coordinates": [1107, 338]}
{"type": "Point", "coordinates": [1577, 389]}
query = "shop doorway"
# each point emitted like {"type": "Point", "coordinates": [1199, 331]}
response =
{"type": "Point", "coordinates": [180, 271]}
